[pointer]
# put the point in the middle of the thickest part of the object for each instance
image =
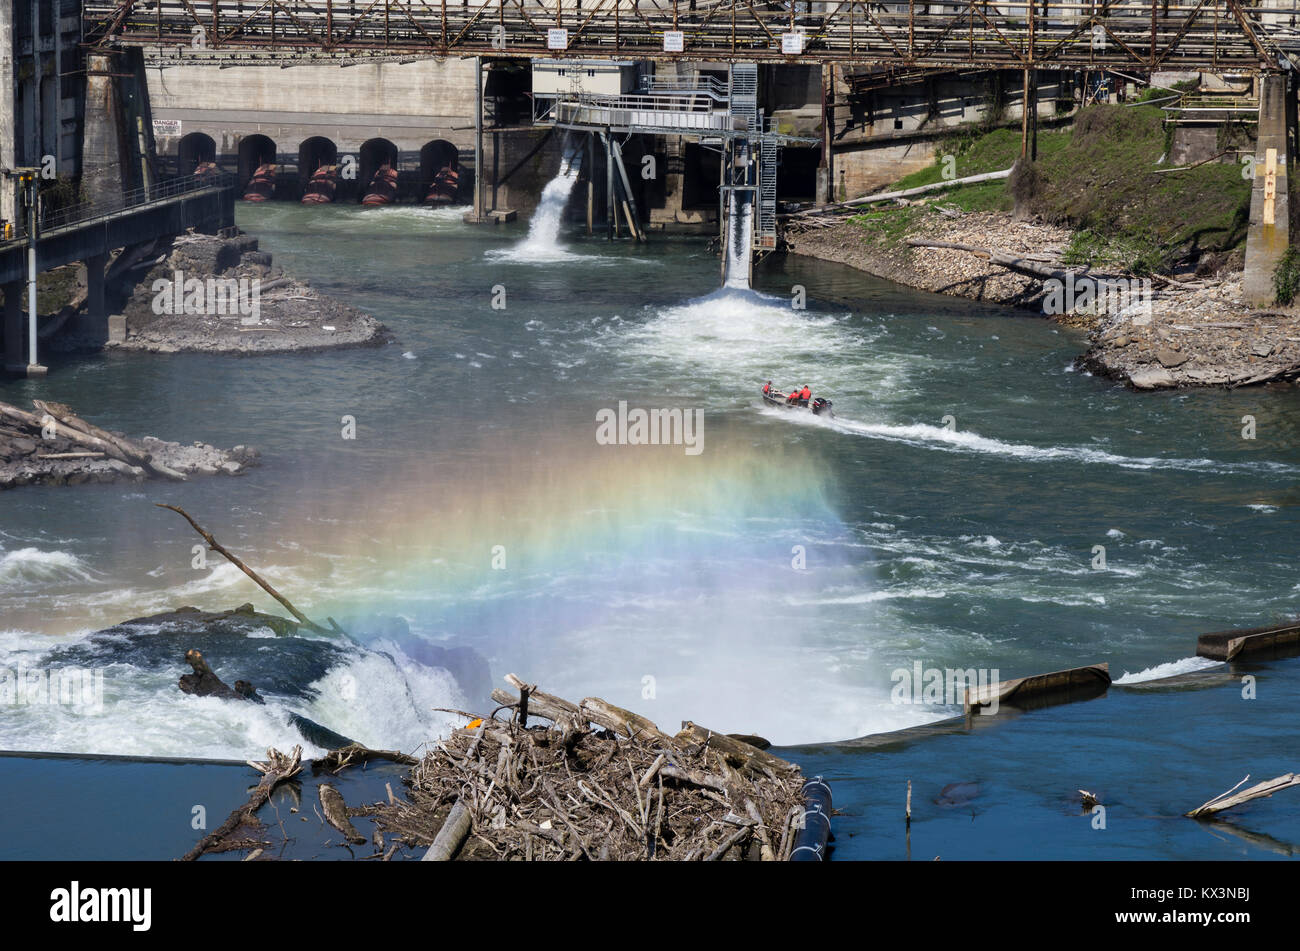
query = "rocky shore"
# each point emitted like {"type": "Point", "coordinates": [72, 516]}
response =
{"type": "Point", "coordinates": [1194, 331]}
{"type": "Point", "coordinates": [943, 271]}
{"type": "Point", "coordinates": [200, 293]}
{"type": "Point", "coordinates": [52, 446]}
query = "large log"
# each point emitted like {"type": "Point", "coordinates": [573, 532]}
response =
{"type": "Point", "coordinates": [624, 722]}
{"type": "Point", "coordinates": [1258, 791]}
{"type": "Point", "coordinates": [1024, 266]}
{"type": "Point", "coordinates": [454, 831]}
{"type": "Point", "coordinates": [336, 813]}
{"type": "Point", "coordinates": [215, 546]}
{"type": "Point", "coordinates": [736, 752]}
{"type": "Point", "coordinates": [909, 192]}
{"type": "Point", "coordinates": [128, 452]}
{"type": "Point", "coordinates": [540, 704]}
{"type": "Point", "coordinates": [36, 424]}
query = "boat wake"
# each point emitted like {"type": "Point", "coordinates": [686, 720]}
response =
{"type": "Point", "coordinates": [943, 439]}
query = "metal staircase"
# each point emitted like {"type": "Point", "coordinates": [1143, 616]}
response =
{"type": "Point", "coordinates": [765, 226]}
{"type": "Point", "coordinates": [744, 96]}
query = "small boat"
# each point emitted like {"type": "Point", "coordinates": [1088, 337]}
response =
{"type": "Point", "coordinates": [383, 187]}
{"type": "Point", "coordinates": [820, 406]}
{"type": "Point", "coordinates": [320, 190]}
{"type": "Point", "coordinates": [261, 187]}
{"type": "Point", "coordinates": [206, 170]}
{"type": "Point", "coordinates": [446, 185]}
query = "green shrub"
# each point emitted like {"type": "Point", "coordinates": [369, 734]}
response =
{"type": "Point", "coordinates": [1286, 277]}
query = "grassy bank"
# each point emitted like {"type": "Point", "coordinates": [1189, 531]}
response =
{"type": "Point", "coordinates": [1100, 179]}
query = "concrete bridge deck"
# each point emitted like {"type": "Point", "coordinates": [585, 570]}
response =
{"type": "Point", "coordinates": [1218, 35]}
{"type": "Point", "coordinates": [89, 234]}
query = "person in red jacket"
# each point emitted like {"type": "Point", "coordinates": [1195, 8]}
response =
{"type": "Point", "coordinates": [767, 387]}
{"type": "Point", "coordinates": [794, 395]}
{"type": "Point", "coordinates": [805, 393]}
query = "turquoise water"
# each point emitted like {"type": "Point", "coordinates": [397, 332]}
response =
{"type": "Point", "coordinates": [949, 515]}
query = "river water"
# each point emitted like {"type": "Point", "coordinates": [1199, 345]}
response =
{"type": "Point", "coordinates": [769, 579]}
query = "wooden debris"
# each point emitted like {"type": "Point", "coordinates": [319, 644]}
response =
{"type": "Point", "coordinates": [354, 754]}
{"type": "Point", "coordinates": [204, 683]}
{"type": "Point", "coordinates": [213, 545]}
{"type": "Point", "coordinates": [278, 768]}
{"type": "Point", "coordinates": [59, 420]}
{"type": "Point", "coordinates": [597, 783]}
{"type": "Point", "coordinates": [1231, 798]}
{"type": "Point", "coordinates": [336, 813]}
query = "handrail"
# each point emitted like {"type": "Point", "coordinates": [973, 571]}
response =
{"type": "Point", "coordinates": [106, 206]}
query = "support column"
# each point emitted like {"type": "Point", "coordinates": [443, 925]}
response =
{"type": "Point", "coordinates": [496, 166]}
{"type": "Point", "coordinates": [478, 137]}
{"type": "Point", "coordinates": [611, 209]}
{"type": "Point", "coordinates": [479, 213]}
{"type": "Point", "coordinates": [1024, 117]}
{"type": "Point", "coordinates": [8, 142]}
{"type": "Point", "coordinates": [34, 367]}
{"type": "Point", "coordinates": [15, 337]}
{"type": "Point", "coordinates": [1269, 234]}
{"type": "Point", "coordinates": [93, 324]}
{"type": "Point", "coordinates": [104, 153]}
{"type": "Point", "coordinates": [825, 169]}
{"type": "Point", "coordinates": [591, 185]}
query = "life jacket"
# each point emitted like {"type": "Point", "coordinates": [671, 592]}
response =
{"type": "Point", "coordinates": [794, 395]}
{"type": "Point", "coordinates": [767, 387]}
{"type": "Point", "coordinates": [806, 393]}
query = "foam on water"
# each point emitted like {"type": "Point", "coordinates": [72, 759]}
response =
{"type": "Point", "coordinates": [380, 699]}
{"type": "Point", "coordinates": [1188, 665]}
{"type": "Point", "coordinates": [28, 567]}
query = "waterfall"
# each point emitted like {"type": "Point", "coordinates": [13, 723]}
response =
{"type": "Point", "coordinates": [740, 223]}
{"type": "Point", "coordinates": [544, 230]}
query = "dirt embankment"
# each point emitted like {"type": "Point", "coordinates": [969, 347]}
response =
{"type": "Point", "coordinates": [1105, 236]}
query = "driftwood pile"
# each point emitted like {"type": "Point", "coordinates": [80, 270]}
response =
{"type": "Point", "coordinates": [76, 438]}
{"type": "Point", "coordinates": [596, 782]}
{"type": "Point", "coordinates": [53, 445]}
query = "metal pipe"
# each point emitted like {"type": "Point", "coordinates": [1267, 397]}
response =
{"type": "Point", "coordinates": [31, 272]}
{"type": "Point", "coordinates": [478, 136]}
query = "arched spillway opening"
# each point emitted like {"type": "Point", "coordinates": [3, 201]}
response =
{"type": "Point", "coordinates": [318, 159]}
{"type": "Point", "coordinates": [254, 152]}
{"type": "Point", "coordinates": [193, 150]}
{"type": "Point", "coordinates": [440, 172]}
{"type": "Point", "coordinates": [375, 154]}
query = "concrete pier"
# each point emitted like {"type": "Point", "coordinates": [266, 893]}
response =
{"type": "Point", "coordinates": [1269, 234]}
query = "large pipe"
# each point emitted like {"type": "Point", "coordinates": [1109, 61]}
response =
{"type": "Point", "coordinates": [815, 831]}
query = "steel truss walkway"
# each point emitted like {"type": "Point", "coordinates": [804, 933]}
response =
{"type": "Point", "coordinates": [1214, 35]}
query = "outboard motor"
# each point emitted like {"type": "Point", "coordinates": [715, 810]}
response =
{"type": "Point", "coordinates": [821, 405]}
